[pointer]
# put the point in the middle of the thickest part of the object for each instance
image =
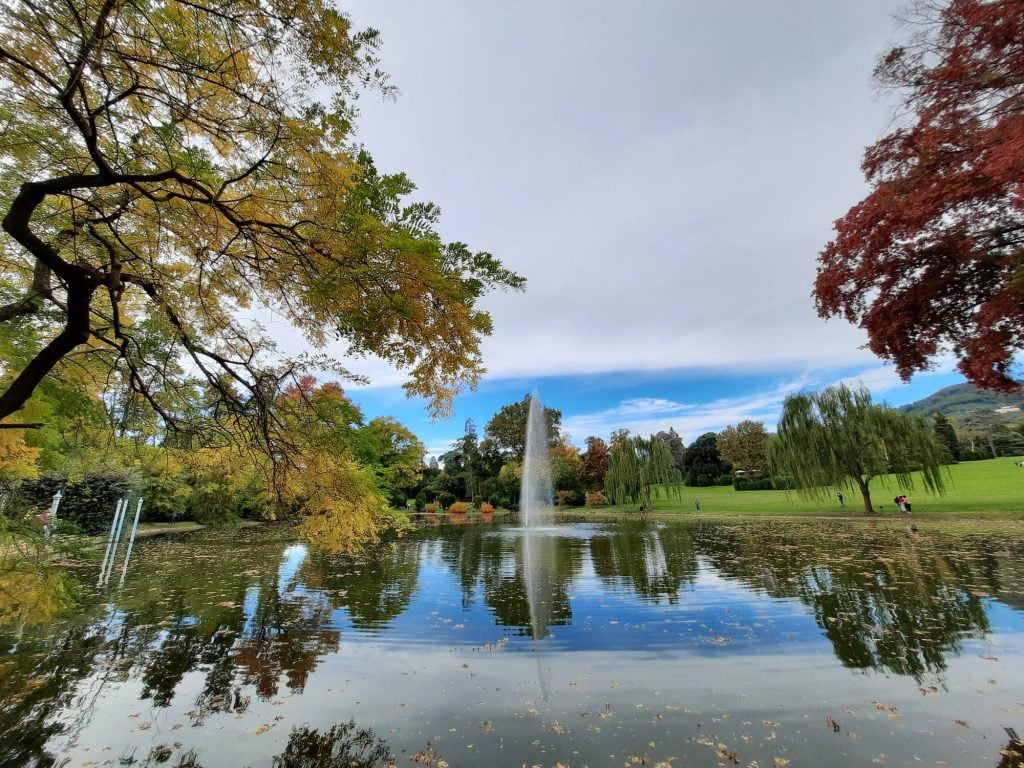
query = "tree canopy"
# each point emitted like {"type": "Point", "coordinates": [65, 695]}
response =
{"type": "Point", "coordinates": [745, 446]}
{"type": "Point", "coordinates": [169, 165]}
{"type": "Point", "coordinates": [702, 463]}
{"type": "Point", "coordinates": [507, 428]}
{"type": "Point", "coordinates": [838, 437]}
{"type": "Point", "coordinates": [932, 260]}
{"type": "Point", "coordinates": [641, 469]}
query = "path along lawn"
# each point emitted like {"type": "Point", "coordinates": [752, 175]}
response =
{"type": "Point", "coordinates": [987, 490]}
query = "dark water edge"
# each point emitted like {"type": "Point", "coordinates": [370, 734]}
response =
{"type": "Point", "coordinates": [631, 643]}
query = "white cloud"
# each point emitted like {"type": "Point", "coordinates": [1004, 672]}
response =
{"type": "Point", "coordinates": [690, 421]}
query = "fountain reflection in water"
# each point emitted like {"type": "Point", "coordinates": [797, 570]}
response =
{"type": "Point", "coordinates": [538, 538]}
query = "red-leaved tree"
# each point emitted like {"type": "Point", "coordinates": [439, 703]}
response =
{"type": "Point", "coordinates": [931, 262]}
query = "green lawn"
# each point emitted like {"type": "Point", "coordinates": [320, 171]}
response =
{"type": "Point", "coordinates": [990, 490]}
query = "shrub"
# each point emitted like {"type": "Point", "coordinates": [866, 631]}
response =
{"type": "Point", "coordinates": [486, 508]}
{"type": "Point", "coordinates": [725, 479]}
{"type": "Point", "coordinates": [981, 454]}
{"type": "Point", "coordinates": [595, 499]}
{"type": "Point", "coordinates": [500, 502]}
{"type": "Point", "coordinates": [446, 499]}
{"type": "Point", "coordinates": [741, 483]}
{"type": "Point", "coordinates": [565, 498]}
{"type": "Point", "coordinates": [477, 501]}
{"type": "Point", "coordinates": [420, 503]}
{"type": "Point", "coordinates": [431, 508]}
{"type": "Point", "coordinates": [165, 492]}
{"type": "Point", "coordinates": [458, 508]}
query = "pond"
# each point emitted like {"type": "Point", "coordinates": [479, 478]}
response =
{"type": "Point", "coordinates": [630, 643]}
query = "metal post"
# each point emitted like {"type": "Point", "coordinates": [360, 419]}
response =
{"type": "Point", "coordinates": [117, 542]}
{"type": "Point", "coordinates": [110, 539]}
{"type": "Point", "coordinates": [131, 543]}
{"type": "Point", "coordinates": [51, 518]}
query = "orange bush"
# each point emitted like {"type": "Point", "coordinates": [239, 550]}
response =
{"type": "Point", "coordinates": [458, 508]}
{"type": "Point", "coordinates": [595, 499]}
{"type": "Point", "coordinates": [487, 507]}
{"type": "Point", "coordinates": [432, 507]}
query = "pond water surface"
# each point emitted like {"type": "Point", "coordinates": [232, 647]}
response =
{"type": "Point", "coordinates": [632, 643]}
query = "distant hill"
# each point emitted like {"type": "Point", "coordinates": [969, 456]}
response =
{"type": "Point", "coordinates": [969, 406]}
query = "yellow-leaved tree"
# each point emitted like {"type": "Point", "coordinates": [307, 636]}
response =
{"type": "Point", "coordinates": [169, 166]}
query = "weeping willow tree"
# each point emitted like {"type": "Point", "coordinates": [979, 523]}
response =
{"type": "Point", "coordinates": [639, 467]}
{"type": "Point", "coordinates": [838, 438]}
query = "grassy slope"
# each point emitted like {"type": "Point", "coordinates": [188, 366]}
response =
{"type": "Point", "coordinates": [978, 489]}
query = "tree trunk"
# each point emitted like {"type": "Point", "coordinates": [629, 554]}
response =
{"type": "Point", "coordinates": [76, 331]}
{"type": "Point", "coordinates": [865, 491]}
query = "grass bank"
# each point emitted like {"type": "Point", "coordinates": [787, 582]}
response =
{"type": "Point", "coordinates": [975, 490]}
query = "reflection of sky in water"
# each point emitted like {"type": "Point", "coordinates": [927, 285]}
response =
{"type": "Point", "coordinates": [658, 635]}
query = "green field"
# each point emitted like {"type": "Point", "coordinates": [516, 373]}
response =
{"type": "Point", "coordinates": [987, 490]}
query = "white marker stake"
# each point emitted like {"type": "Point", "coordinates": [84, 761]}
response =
{"type": "Point", "coordinates": [51, 519]}
{"type": "Point", "coordinates": [131, 543]}
{"type": "Point", "coordinates": [110, 540]}
{"type": "Point", "coordinates": [117, 542]}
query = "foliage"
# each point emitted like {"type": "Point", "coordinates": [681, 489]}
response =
{"type": "Point", "coordinates": [507, 428]}
{"type": "Point", "coordinates": [432, 507]}
{"type": "Point", "coordinates": [675, 444]}
{"type": "Point", "coordinates": [595, 464]}
{"type": "Point", "coordinates": [745, 446]}
{"type": "Point", "coordinates": [637, 466]}
{"type": "Point", "coordinates": [157, 181]}
{"type": "Point", "coordinates": [17, 458]}
{"type": "Point", "coordinates": [566, 498]}
{"type": "Point", "coordinates": [32, 589]}
{"type": "Point", "coordinates": [458, 508]}
{"type": "Point", "coordinates": [762, 483]}
{"type": "Point", "coordinates": [446, 499]}
{"type": "Point", "coordinates": [486, 508]}
{"type": "Point", "coordinates": [393, 452]}
{"type": "Point", "coordinates": [702, 461]}
{"type": "Point", "coordinates": [838, 438]}
{"type": "Point", "coordinates": [931, 260]}
{"type": "Point", "coordinates": [946, 435]}
{"type": "Point", "coordinates": [595, 499]}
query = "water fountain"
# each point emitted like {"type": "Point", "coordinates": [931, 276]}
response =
{"type": "Point", "coordinates": [535, 494]}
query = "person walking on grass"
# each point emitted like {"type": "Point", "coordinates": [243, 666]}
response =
{"type": "Point", "coordinates": [842, 499]}
{"type": "Point", "coordinates": [696, 504]}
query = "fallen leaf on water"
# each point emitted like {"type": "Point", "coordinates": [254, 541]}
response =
{"type": "Point", "coordinates": [780, 761]}
{"type": "Point", "coordinates": [962, 723]}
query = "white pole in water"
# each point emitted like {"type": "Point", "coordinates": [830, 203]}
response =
{"type": "Point", "coordinates": [51, 518]}
{"type": "Point", "coordinates": [131, 543]}
{"type": "Point", "coordinates": [117, 541]}
{"type": "Point", "coordinates": [110, 540]}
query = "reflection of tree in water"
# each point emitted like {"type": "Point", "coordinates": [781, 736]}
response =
{"type": "Point", "coordinates": [36, 684]}
{"type": "Point", "coordinates": [479, 558]}
{"type": "Point", "coordinates": [373, 587]}
{"type": "Point", "coordinates": [655, 560]}
{"type": "Point", "coordinates": [342, 746]}
{"type": "Point", "coordinates": [884, 598]}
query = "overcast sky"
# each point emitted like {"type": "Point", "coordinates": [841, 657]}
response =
{"type": "Point", "coordinates": [663, 173]}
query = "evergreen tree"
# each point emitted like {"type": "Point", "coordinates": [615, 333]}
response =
{"type": "Point", "coordinates": [702, 462]}
{"type": "Point", "coordinates": [946, 435]}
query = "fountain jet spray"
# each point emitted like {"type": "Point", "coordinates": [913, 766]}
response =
{"type": "Point", "coordinates": [535, 494]}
